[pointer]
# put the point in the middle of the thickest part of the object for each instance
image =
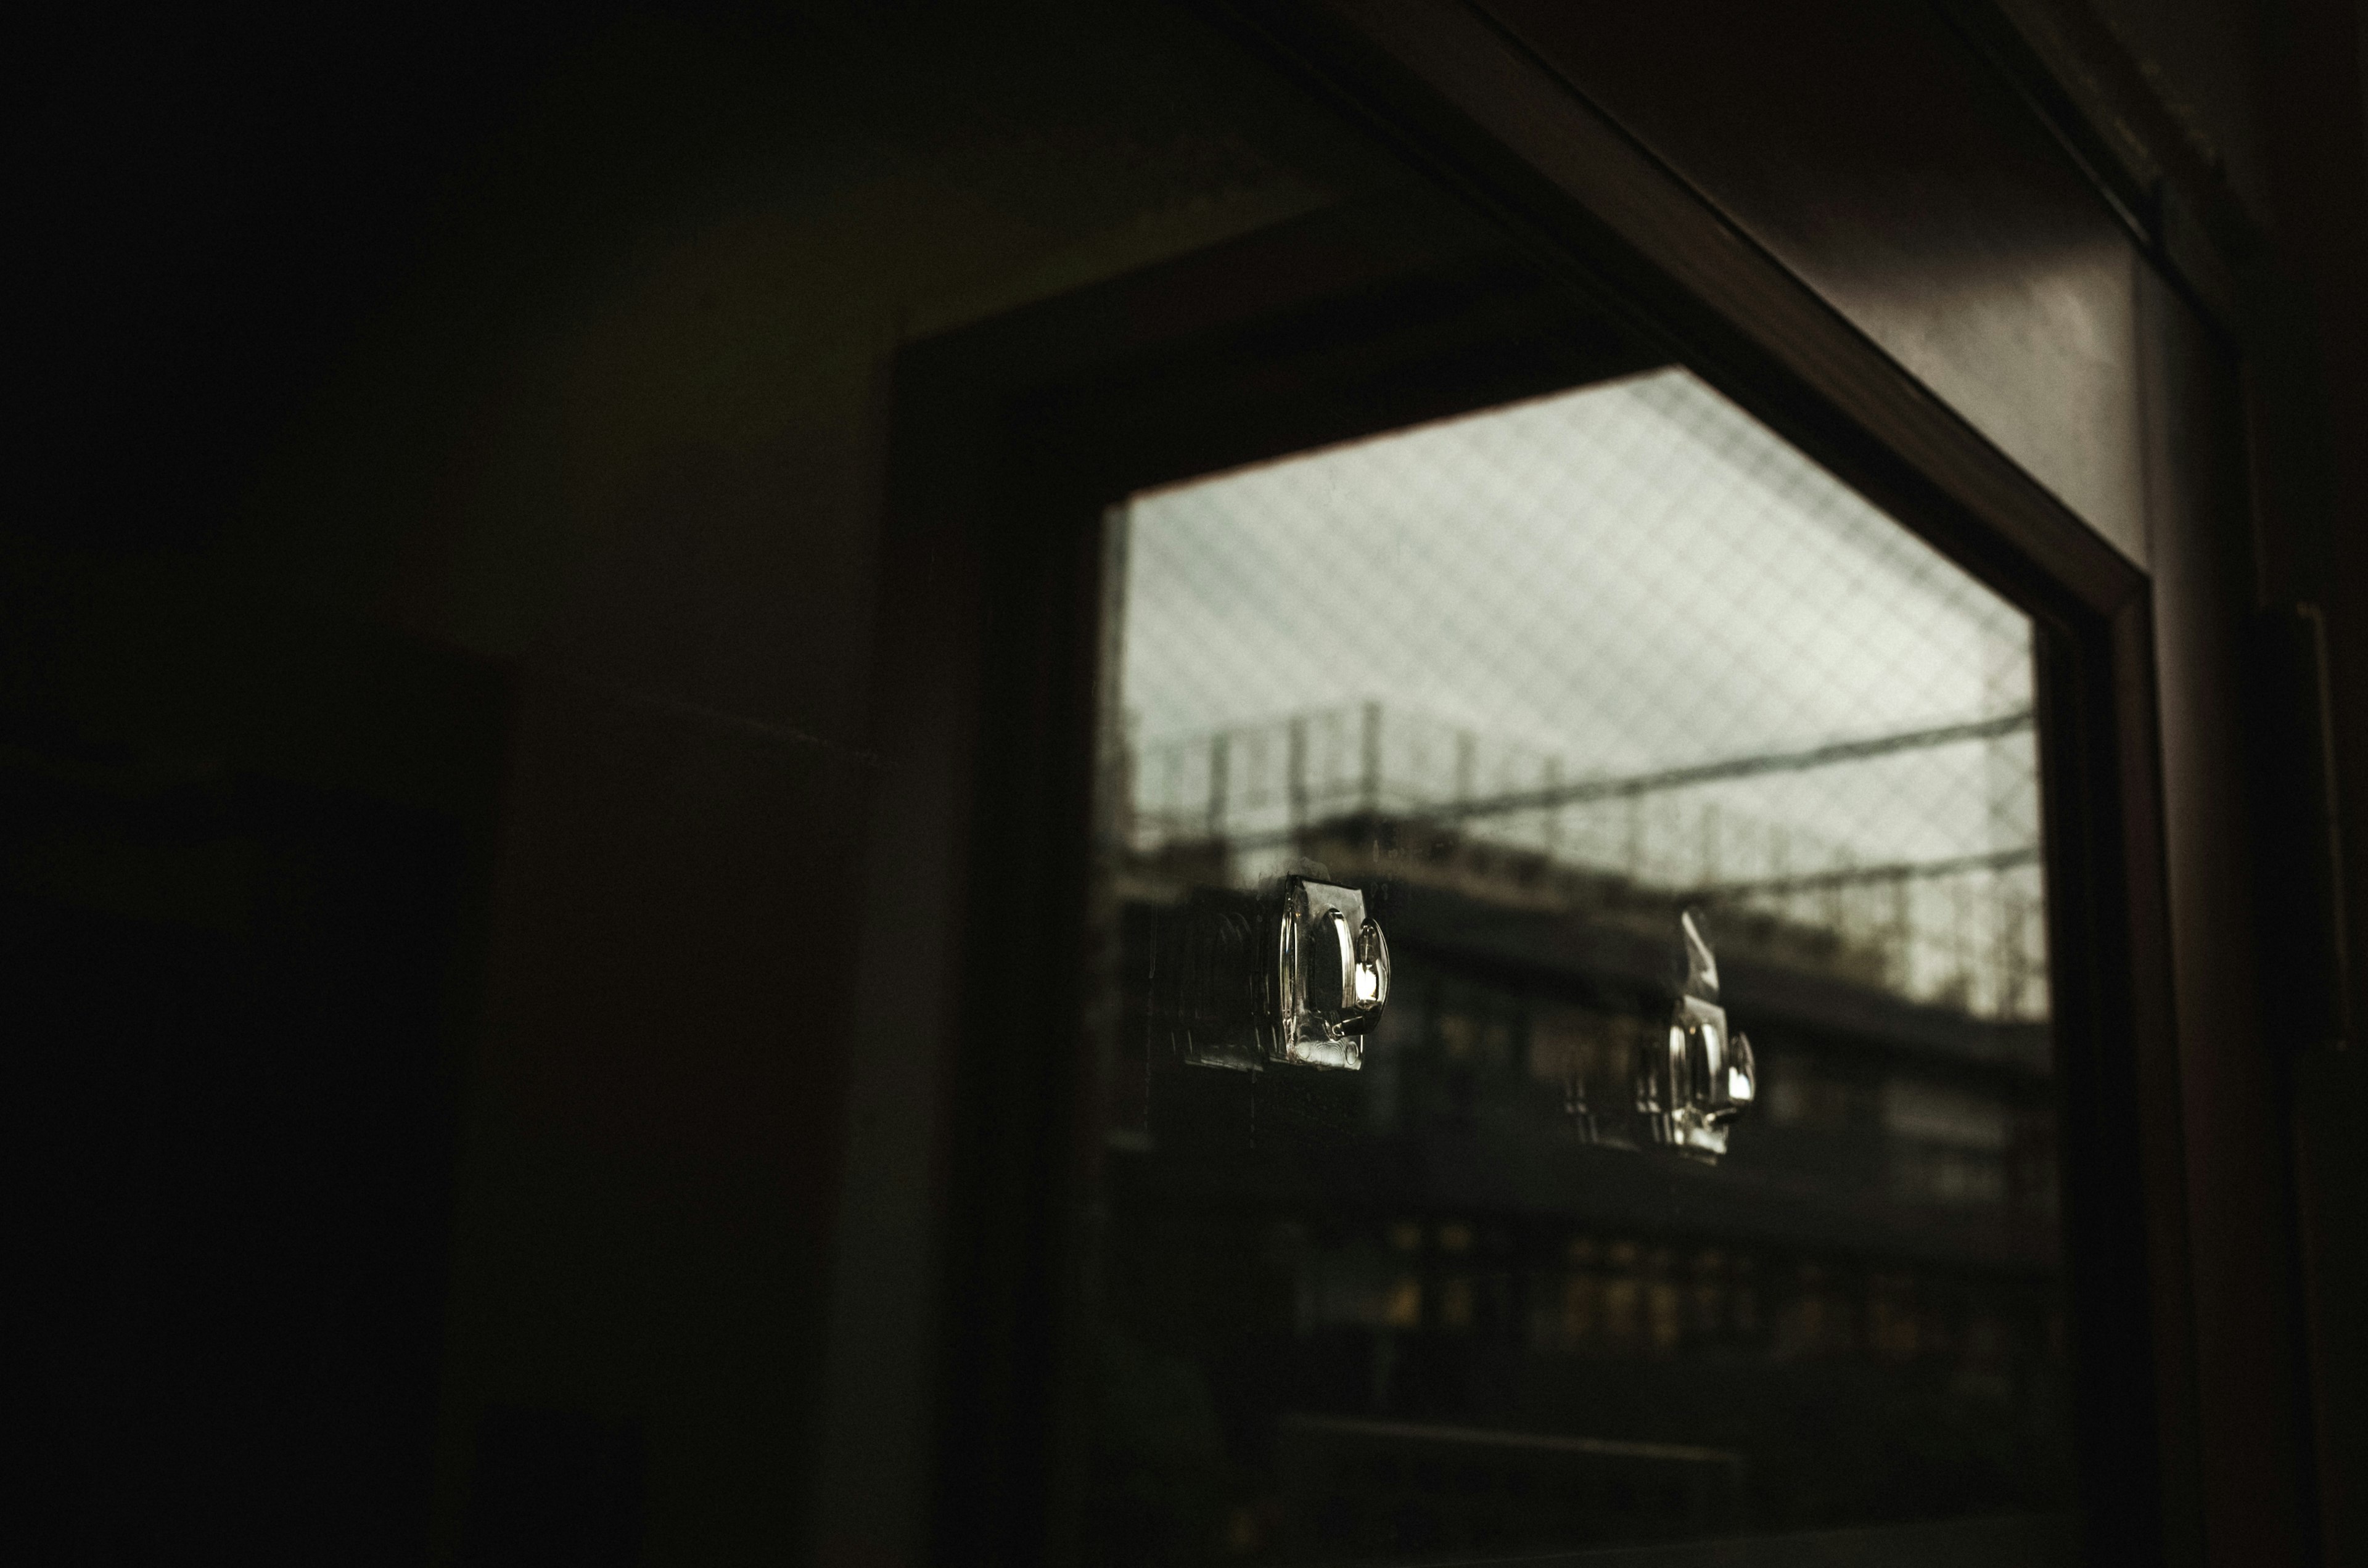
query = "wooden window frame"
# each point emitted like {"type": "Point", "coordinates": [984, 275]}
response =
{"type": "Point", "coordinates": [950, 1380]}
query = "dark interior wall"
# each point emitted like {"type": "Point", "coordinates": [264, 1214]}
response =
{"type": "Point", "coordinates": [2317, 551]}
{"type": "Point", "coordinates": [435, 639]}
{"type": "Point", "coordinates": [2203, 59]}
{"type": "Point", "coordinates": [2249, 118]}
{"type": "Point", "coordinates": [468, 428]}
{"type": "Point", "coordinates": [2275, 94]}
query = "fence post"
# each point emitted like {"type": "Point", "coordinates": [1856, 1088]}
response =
{"type": "Point", "coordinates": [1298, 782]}
{"type": "Point", "coordinates": [1221, 773]}
{"type": "Point", "coordinates": [1371, 787]}
{"type": "Point", "coordinates": [1903, 943]}
{"type": "Point", "coordinates": [1553, 824]}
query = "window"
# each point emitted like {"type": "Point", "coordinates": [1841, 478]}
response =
{"type": "Point", "coordinates": [1529, 685]}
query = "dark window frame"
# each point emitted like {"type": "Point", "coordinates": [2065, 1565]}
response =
{"type": "Point", "coordinates": [1012, 439]}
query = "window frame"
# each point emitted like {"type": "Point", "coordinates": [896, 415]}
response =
{"type": "Point", "coordinates": [1010, 438]}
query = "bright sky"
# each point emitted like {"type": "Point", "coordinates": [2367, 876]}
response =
{"type": "Point", "coordinates": [1628, 577]}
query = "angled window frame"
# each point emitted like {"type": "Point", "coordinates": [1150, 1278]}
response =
{"type": "Point", "coordinates": [957, 1295]}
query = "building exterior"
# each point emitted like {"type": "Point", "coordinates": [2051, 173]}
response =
{"type": "Point", "coordinates": [1456, 1267]}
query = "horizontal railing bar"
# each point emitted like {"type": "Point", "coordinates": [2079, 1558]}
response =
{"type": "Point", "coordinates": [1582, 791]}
{"type": "Point", "coordinates": [1825, 756]}
{"type": "Point", "coordinates": [1896, 871]}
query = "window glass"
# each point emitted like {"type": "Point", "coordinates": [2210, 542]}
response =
{"type": "Point", "coordinates": [1581, 1236]}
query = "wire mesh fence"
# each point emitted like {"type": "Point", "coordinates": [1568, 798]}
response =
{"type": "Point", "coordinates": [1624, 631]}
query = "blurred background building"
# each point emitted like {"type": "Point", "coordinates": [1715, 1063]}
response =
{"type": "Point", "coordinates": [1430, 1305]}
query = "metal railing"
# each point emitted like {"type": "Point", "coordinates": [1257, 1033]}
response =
{"type": "Point", "coordinates": [1965, 928]}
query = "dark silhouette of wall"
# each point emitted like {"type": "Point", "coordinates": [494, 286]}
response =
{"type": "Point", "coordinates": [435, 603]}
